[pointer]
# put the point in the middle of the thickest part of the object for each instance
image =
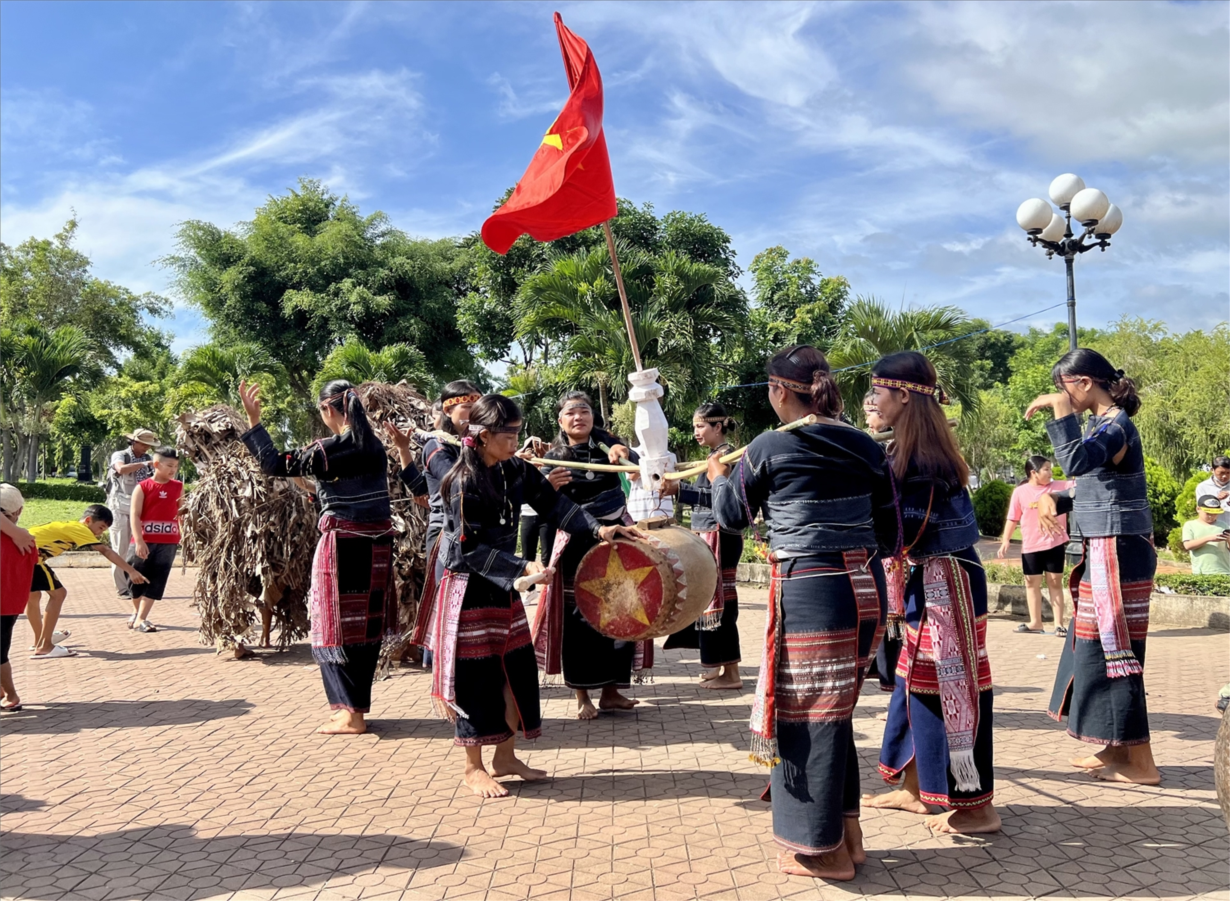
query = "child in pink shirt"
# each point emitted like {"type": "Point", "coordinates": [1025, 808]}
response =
{"type": "Point", "coordinates": [1041, 554]}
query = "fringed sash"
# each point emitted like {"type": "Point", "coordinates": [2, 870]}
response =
{"type": "Point", "coordinates": [424, 627]}
{"type": "Point", "coordinates": [764, 704]}
{"type": "Point", "coordinates": [1107, 595]}
{"type": "Point", "coordinates": [894, 581]}
{"type": "Point", "coordinates": [711, 619]}
{"type": "Point", "coordinates": [451, 593]}
{"type": "Point", "coordinates": [336, 619]}
{"type": "Point", "coordinates": [954, 643]}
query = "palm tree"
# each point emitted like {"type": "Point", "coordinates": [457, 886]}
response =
{"type": "Point", "coordinates": [38, 367]}
{"type": "Point", "coordinates": [683, 313]}
{"type": "Point", "coordinates": [872, 330]}
{"type": "Point", "coordinates": [357, 363]}
{"type": "Point", "coordinates": [216, 370]}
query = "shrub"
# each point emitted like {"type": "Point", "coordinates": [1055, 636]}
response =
{"type": "Point", "coordinates": [991, 506]}
{"type": "Point", "coordinates": [1185, 583]}
{"type": "Point", "coordinates": [1003, 574]}
{"type": "Point", "coordinates": [1175, 544]}
{"type": "Point", "coordinates": [62, 491]}
{"type": "Point", "coordinates": [1162, 489]}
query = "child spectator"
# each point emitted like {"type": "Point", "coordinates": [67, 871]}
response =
{"type": "Point", "coordinates": [52, 540]}
{"type": "Point", "coordinates": [1205, 539]}
{"type": "Point", "coordinates": [17, 561]}
{"type": "Point", "coordinates": [1042, 554]}
{"type": "Point", "coordinates": [154, 519]}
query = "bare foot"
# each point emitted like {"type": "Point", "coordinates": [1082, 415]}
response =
{"type": "Point", "coordinates": [729, 679]}
{"type": "Point", "coordinates": [241, 651]}
{"type": "Point", "coordinates": [586, 710]}
{"type": "Point", "coordinates": [612, 700]}
{"type": "Point", "coordinates": [966, 822]}
{"type": "Point", "coordinates": [854, 840]}
{"type": "Point", "coordinates": [346, 724]}
{"type": "Point", "coordinates": [1103, 757]}
{"type": "Point", "coordinates": [481, 783]}
{"type": "Point", "coordinates": [835, 865]}
{"type": "Point", "coordinates": [710, 674]}
{"type": "Point", "coordinates": [1129, 774]}
{"type": "Point", "coordinates": [898, 799]}
{"type": "Point", "coordinates": [514, 767]}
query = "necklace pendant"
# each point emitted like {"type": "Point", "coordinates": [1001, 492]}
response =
{"type": "Point", "coordinates": [502, 521]}
{"type": "Point", "coordinates": [589, 475]}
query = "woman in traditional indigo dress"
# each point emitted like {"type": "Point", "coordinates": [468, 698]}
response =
{"type": "Point", "coordinates": [588, 659]}
{"type": "Point", "coordinates": [352, 605]}
{"type": "Point", "coordinates": [827, 495]}
{"type": "Point", "coordinates": [1100, 683]}
{"type": "Point", "coordinates": [937, 741]}
{"type": "Point", "coordinates": [716, 633]}
{"type": "Point", "coordinates": [485, 677]}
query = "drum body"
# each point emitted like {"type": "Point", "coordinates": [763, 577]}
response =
{"type": "Point", "coordinates": [634, 590]}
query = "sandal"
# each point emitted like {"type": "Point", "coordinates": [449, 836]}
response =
{"type": "Point", "coordinates": [10, 708]}
{"type": "Point", "coordinates": [1061, 630]}
{"type": "Point", "coordinates": [57, 651]}
{"type": "Point", "coordinates": [1024, 627]}
{"type": "Point", "coordinates": [146, 626]}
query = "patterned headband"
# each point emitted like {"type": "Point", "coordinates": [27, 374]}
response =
{"type": "Point", "coordinates": [913, 387]}
{"type": "Point", "coordinates": [576, 404]}
{"type": "Point", "coordinates": [798, 387]}
{"type": "Point", "coordinates": [699, 419]}
{"type": "Point", "coordinates": [463, 399]}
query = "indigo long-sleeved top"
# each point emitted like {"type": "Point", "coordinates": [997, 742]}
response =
{"type": "Point", "coordinates": [352, 482]}
{"type": "Point", "coordinates": [1109, 498]}
{"type": "Point", "coordinates": [699, 496]}
{"type": "Point", "coordinates": [821, 488]}
{"type": "Point", "coordinates": [937, 516]}
{"type": "Point", "coordinates": [477, 541]}
{"type": "Point", "coordinates": [438, 458]}
{"type": "Point", "coordinates": [600, 493]}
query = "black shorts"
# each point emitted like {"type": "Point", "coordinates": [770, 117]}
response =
{"type": "Point", "coordinates": [1048, 561]}
{"type": "Point", "coordinates": [44, 579]}
{"type": "Point", "coordinates": [156, 567]}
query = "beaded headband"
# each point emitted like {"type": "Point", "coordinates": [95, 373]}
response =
{"type": "Point", "coordinates": [576, 404]}
{"type": "Point", "coordinates": [913, 387]}
{"type": "Point", "coordinates": [699, 419]}
{"type": "Point", "coordinates": [798, 387]}
{"type": "Point", "coordinates": [463, 399]}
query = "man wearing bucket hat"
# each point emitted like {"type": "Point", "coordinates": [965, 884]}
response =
{"type": "Point", "coordinates": [1205, 538]}
{"type": "Point", "coordinates": [128, 468]}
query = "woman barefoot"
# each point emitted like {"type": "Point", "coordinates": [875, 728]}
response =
{"type": "Point", "coordinates": [716, 633]}
{"type": "Point", "coordinates": [587, 659]}
{"type": "Point", "coordinates": [1100, 683]}
{"type": "Point", "coordinates": [827, 494]}
{"type": "Point", "coordinates": [937, 741]}
{"type": "Point", "coordinates": [350, 469]}
{"type": "Point", "coordinates": [484, 676]}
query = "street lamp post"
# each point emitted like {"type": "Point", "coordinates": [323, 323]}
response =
{"type": "Point", "coordinates": [1098, 216]}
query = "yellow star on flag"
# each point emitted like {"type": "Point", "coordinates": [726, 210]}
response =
{"type": "Point", "coordinates": [618, 587]}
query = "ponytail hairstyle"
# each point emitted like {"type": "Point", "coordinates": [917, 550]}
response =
{"type": "Point", "coordinates": [921, 434]}
{"type": "Point", "coordinates": [470, 473]}
{"type": "Point", "coordinates": [342, 397]}
{"type": "Point", "coordinates": [597, 434]}
{"type": "Point", "coordinates": [802, 369]}
{"type": "Point", "coordinates": [1090, 364]}
{"type": "Point", "coordinates": [1033, 464]}
{"type": "Point", "coordinates": [716, 413]}
{"type": "Point", "coordinates": [459, 388]}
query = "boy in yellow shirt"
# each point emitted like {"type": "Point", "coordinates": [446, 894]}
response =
{"type": "Point", "coordinates": [52, 540]}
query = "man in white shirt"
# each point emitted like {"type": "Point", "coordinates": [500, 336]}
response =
{"type": "Point", "coordinates": [1218, 485]}
{"type": "Point", "coordinates": [127, 469]}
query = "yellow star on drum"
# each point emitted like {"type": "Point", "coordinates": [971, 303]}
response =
{"type": "Point", "coordinates": [618, 588]}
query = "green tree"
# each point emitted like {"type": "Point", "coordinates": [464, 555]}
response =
{"type": "Point", "coordinates": [988, 435]}
{"type": "Point", "coordinates": [1162, 489]}
{"type": "Point", "coordinates": [210, 373]}
{"type": "Point", "coordinates": [802, 306]}
{"type": "Point", "coordinates": [357, 364]}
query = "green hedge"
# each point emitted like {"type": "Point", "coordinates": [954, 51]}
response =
{"type": "Point", "coordinates": [58, 491]}
{"type": "Point", "coordinates": [1179, 583]}
{"type": "Point", "coordinates": [991, 507]}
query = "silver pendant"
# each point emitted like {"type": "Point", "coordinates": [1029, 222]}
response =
{"type": "Point", "coordinates": [589, 475]}
{"type": "Point", "coordinates": [502, 521]}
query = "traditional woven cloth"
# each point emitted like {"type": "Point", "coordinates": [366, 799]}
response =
{"type": "Point", "coordinates": [894, 580]}
{"type": "Point", "coordinates": [349, 605]}
{"type": "Point", "coordinates": [424, 627]}
{"type": "Point", "coordinates": [711, 619]}
{"type": "Point", "coordinates": [451, 593]}
{"type": "Point", "coordinates": [1107, 596]}
{"type": "Point", "coordinates": [953, 627]}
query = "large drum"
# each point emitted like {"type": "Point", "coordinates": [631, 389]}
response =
{"type": "Point", "coordinates": [633, 590]}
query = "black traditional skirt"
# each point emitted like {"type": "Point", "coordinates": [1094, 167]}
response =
{"type": "Point", "coordinates": [590, 659]}
{"type": "Point", "coordinates": [1102, 709]}
{"type": "Point", "coordinates": [720, 646]}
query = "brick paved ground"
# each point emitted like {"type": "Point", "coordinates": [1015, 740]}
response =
{"type": "Point", "coordinates": [148, 768]}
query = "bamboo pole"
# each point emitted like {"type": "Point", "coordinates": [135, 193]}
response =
{"type": "Point", "coordinates": [734, 455]}
{"type": "Point", "coordinates": [623, 295]}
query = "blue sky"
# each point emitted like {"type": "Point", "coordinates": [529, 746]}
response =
{"type": "Point", "coordinates": [891, 143]}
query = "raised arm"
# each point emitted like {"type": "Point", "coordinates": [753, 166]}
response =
{"type": "Point", "coordinates": [737, 496]}
{"type": "Point", "coordinates": [1079, 455]}
{"type": "Point", "coordinates": [308, 461]}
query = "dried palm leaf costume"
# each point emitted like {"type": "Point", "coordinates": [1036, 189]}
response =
{"type": "Point", "coordinates": [1100, 684]}
{"type": "Point", "coordinates": [475, 624]}
{"type": "Point", "coordinates": [352, 606]}
{"type": "Point", "coordinates": [827, 495]}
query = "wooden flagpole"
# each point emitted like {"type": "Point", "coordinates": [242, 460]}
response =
{"type": "Point", "coordinates": [623, 295]}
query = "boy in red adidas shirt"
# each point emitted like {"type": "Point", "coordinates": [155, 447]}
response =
{"type": "Point", "coordinates": [154, 517]}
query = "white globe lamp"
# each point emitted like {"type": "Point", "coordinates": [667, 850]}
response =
{"type": "Point", "coordinates": [1034, 215]}
{"type": "Point", "coordinates": [1110, 223]}
{"type": "Point", "coordinates": [1056, 230]}
{"type": "Point", "coordinates": [1065, 187]}
{"type": "Point", "coordinates": [1088, 206]}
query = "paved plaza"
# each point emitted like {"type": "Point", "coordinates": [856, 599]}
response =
{"type": "Point", "coordinates": [150, 768]}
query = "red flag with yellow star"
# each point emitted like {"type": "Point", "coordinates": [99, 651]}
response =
{"type": "Point", "coordinates": [568, 185]}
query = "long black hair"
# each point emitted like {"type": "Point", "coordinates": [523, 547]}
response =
{"type": "Point", "coordinates": [342, 397]}
{"type": "Point", "coordinates": [458, 388]}
{"type": "Point", "coordinates": [805, 365]}
{"type": "Point", "coordinates": [598, 434]}
{"type": "Point", "coordinates": [1090, 364]}
{"type": "Point", "coordinates": [470, 473]}
{"type": "Point", "coordinates": [1033, 464]}
{"type": "Point", "coordinates": [921, 434]}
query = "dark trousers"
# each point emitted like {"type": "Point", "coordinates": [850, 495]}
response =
{"type": "Point", "coordinates": [537, 536]}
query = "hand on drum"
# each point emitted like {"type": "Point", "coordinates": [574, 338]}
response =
{"type": "Point", "coordinates": [717, 467]}
{"type": "Point", "coordinates": [559, 477]}
{"type": "Point", "coordinates": [610, 533]}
